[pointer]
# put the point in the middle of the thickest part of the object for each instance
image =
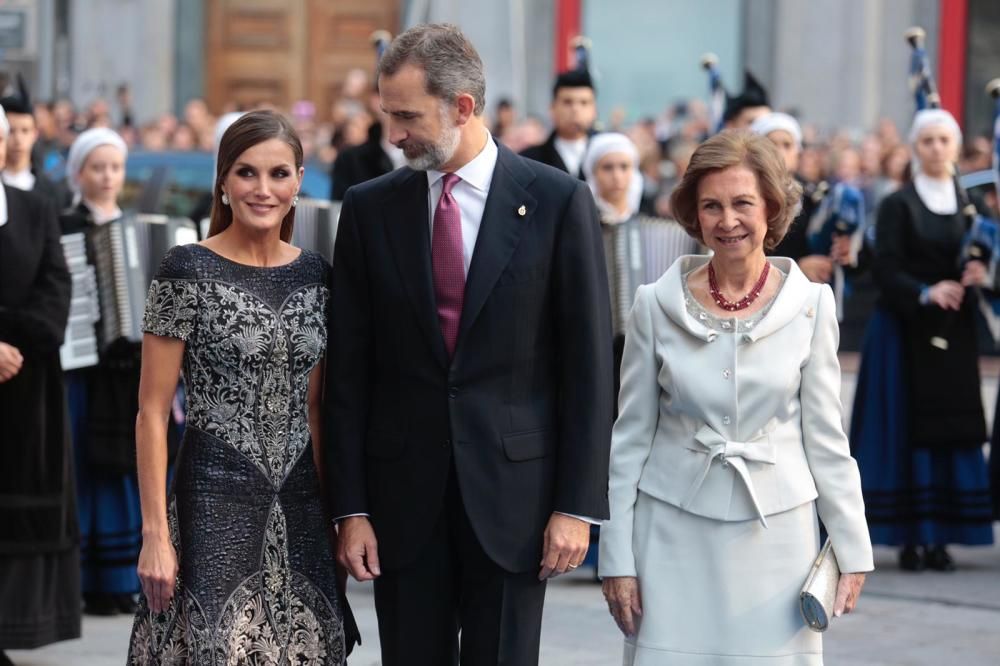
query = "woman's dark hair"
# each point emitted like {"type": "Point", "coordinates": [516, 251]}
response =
{"type": "Point", "coordinates": [251, 129]}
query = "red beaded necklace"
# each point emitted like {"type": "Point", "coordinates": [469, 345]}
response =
{"type": "Point", "coordinates": [743, 303]}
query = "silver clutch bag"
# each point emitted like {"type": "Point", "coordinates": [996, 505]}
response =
{"type": "Point", "coordinates": [820, 590]}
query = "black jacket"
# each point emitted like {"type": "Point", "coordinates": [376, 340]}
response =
{"type": "Point", "coordinates": [523, 411]}
{"type": "Point", "coordinates": [361, 163]}
{"type": "Point", "coordinates": [546, 153]}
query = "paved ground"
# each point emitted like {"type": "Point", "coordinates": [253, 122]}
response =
{"type": "Point", "coordinates": [925, 619]}
{"type": "Point", "coordinates": [903, 620]}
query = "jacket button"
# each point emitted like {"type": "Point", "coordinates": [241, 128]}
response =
{"type": "Point", "coordinates": [726, 374]}
{"type": "Point", "coordinates": [452, 392]}
{"type": "Point", "coordinates": [726, 420]}
{"type": "Point", "coordinates": [446, 444]}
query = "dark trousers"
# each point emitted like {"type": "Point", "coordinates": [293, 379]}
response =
{"type": "Point", "coordinates": [453, 586]}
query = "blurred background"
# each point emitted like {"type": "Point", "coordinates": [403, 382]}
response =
{"type": "Point", "coordinates": [162, 72]}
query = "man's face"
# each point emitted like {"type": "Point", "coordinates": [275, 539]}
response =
{"type": "Point", "coordinates": [574, 111]}
{"type": "Point", "coordinates": [22, 137]}
{"type": "Point", "coordinates": [423, 126]}
{"type": "Point", "coordinates": [745, 118]}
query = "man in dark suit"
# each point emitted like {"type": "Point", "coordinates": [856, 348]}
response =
{"type": "Point", "coordinates": [573, 112]}
{"type": "Point", "coordinates": [469, 372]}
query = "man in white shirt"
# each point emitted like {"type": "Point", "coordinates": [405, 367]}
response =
{"type": "Point", "coordinates": [469, 372]}
{"type": "Point", "coordinates": [573, 112]}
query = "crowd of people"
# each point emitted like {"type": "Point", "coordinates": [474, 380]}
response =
{"type": "Point", "coordinates": [434, 429]}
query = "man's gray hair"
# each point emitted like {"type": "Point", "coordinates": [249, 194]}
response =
{"type": "Point", "coordinates": [450, 62]}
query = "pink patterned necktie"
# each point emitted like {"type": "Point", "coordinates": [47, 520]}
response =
{"type": "Point", "coordinates": [447, 262]}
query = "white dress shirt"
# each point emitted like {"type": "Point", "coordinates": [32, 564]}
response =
{"type": "Point", "coordinates": [572, 153]}
{"type": "Point", "coordinates": [938, 195]}
{"type": "Point", "coordinates": [3, 207]}
{"type": "Point", "coordinates": [22, 180]}
{"type": "Point", "coordinates": [470, 195]}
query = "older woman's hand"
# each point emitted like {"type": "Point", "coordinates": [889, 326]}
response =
{"type": "Point", "coordinates": [622, 595]}
{"type": "Point", "coordinates": [848, 591]}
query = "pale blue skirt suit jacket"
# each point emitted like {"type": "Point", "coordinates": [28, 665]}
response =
{"type": "Point", "coordinates": [728, 443]}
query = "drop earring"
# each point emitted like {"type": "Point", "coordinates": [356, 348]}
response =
{"type": "Point", "coordinates": [295, 201]}
{"type": "Point", "coordinates": [225, 199]}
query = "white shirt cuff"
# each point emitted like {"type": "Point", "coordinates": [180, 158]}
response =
{"type": "Point", "coordinates": [585, 519]}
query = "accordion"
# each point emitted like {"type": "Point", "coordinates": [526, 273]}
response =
{"type": "Point", "coordinates": [111, 266]}
{"type": "Point", "coordinates": [637, 252]}
{"type": "Point", "coordinates": [316, 226]}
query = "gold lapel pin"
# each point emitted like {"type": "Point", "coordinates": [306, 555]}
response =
{"type": "Point", "coordinates": [522, 211]}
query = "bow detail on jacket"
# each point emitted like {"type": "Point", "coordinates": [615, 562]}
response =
{"type": "Point", "coordinates": [714, 445]}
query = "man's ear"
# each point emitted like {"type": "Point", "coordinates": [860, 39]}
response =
{"type": "Point", "coordinates": [466, 106]}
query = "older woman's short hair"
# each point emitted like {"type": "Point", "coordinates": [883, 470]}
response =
{"type": "Point", "coordinates": [781, 193]}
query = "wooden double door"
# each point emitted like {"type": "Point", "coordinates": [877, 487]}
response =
{"type": "Point", "coordinates": [282, 51]}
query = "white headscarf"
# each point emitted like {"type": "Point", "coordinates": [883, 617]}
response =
{"type": "Point", "coordinates": [84, 145]}
{"type": "Point", "coordinates": [224, 123]}
{"type": "Point", "coordinates": [938, 195]}
{"type": "Point", "coordinates": [604, 144]}
{"type": "Point", "coordinates": [778, 121]}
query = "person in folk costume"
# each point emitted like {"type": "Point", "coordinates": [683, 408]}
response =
{"type": "Point", "coordinates": [573, 112]}
{"type": "Point", "coordinates": [918, 425]}
{"type": "Point", "coordinates": [844, 259]}
{"type": "Point", "coordinates": [741, 110]}
{"type": "Point", "coordinates": [39, 552]}
{"type": "Point", "coordinates": [20, 170]}
{"type": "Point", "coordinates": [638, 248]}
{"type": "Point", "coordinates": [103, 402]}
{"type": "Point", "coordinates": [376, 156]}
{"type": "Point", "coordinates": [784, 132]}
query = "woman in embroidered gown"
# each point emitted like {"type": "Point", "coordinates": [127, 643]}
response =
{"type": "Point", "coordinates": [236, 564]}
{"type": "Point", "coordinates": [918, 426]}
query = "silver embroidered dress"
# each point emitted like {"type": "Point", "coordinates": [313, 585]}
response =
{"type": "Point", "coordinates": [257, 583]}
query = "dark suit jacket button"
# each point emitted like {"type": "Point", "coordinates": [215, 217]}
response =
{"type": "Point", "coordinates": [452, 392]}
{"type": "Point", "coordinates": [446, 444]}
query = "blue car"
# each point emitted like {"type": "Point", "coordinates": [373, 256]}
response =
{"type": "Point", "coordinates": [179, 183]}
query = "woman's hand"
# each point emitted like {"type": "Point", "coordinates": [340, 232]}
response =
{"type": "Point", "coordinates": [158, 571]}
{"type": "Point", "coordinates": [975, 275]}
{"type": "Point", "coordinates": [848, 591]}
{"type": "Point", "coordinates": [622, 595]}
{"type": "Point", "coordinates": [947, 295]}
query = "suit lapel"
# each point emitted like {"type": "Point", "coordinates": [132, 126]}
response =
{"type": "Point", "coordinates": [408, 230]}
{"type": "Point", "coordinates": [499, 233]}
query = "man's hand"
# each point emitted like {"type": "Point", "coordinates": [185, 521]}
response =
{"type": "Point", "coordinates": [10, 362]}
{"type": "Point", "coordinates": [817, 268]}
{"type": "Point", "coordinates": [624, 602]}
{"type": "Point", "coordinates": [357, 549]}
{"type": "Point", "coordinates": [565, 546]}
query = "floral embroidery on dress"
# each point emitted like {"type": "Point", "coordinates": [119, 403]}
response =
{"type": "Point", "coordinates": [253, 337]}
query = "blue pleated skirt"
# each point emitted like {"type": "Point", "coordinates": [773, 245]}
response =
{"type": "Point", "coordinates": [108, 506]}
{"type": "Point", "coordinates": [912, 496]}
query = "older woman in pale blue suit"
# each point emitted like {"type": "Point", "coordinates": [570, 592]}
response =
{"type": "Point", "coordinates": [729, 439]}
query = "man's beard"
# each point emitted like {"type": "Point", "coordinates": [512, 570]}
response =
{"type": "Point", "coordinates": [432, 156]}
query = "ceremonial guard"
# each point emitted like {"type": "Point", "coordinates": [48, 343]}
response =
{"type": "Point", "coordinates": [573, 112]}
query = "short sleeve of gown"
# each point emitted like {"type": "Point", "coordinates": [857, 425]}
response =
{"type": "Point", "coordinates": [172, 301]}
